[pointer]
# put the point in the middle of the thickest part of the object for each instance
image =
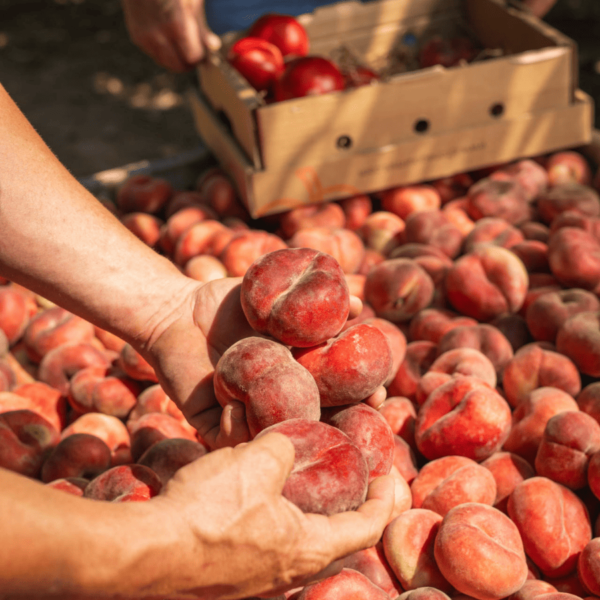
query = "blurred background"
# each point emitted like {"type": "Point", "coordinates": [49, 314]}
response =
{"type": "Point", "coordinates": [99, 102]}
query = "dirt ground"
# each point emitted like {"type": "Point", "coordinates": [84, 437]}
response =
{"type": "Point", "coordinates": [99, 102]}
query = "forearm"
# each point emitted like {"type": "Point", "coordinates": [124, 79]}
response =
{"type": "Point", "coordinates": [58, 240]}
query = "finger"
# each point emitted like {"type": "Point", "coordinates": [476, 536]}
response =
{"type": "Point", "coordinates": [233, 427]}
{"type": "Point", "coordinates": [271, 458]}
{"type": "Point", "coordinates": [184, 35]}
{"type": "Point", "coordinates": [211, 40]}
{"type": "Point", "coordinates": [163, 53]}
{"type": "Point", "coordinates": [377, 398]}
{"type": "Point", "coordinates": [356, 307]}
{"type": "Point", "coordinates": [350, 532]}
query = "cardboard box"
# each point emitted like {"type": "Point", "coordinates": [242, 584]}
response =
{"type": "Point", "coordinates": [415, 126]}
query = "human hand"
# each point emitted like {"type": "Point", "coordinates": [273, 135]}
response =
{"type": "Point", "coordinates": [240, 537]}
{"type": "Point", "coordinates": [539, 7]}
{"type": "Point", "coordinates": [172, 32]}
{"type": "Point", "coordinates": [186, 348]}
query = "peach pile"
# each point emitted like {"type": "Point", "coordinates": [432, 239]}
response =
{"type": "Point", "coordinates": [480, 321]}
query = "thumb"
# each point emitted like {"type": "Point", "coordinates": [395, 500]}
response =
{"type": "Point", "coordinates": [210, 40]}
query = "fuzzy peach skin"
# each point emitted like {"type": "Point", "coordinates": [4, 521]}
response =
{"type": "Point", "coordinates": [538, 365]}
{"type": "Point", "coordinates": [356, 210]}
{"type": "Point", "coordinates": [532, 588]}
{"type": "Point", "coordinates": [432, 324]}
{"type": "Point", "coordinates": [588, 566]}
{"type": "Point", "coordinates": [205, 268]}
{"type": "Point", "coordinates": [434, 227]}
{"type": "Point", "coordinates": [571, 218]}
{"type": "Point", "coordinates": [569, 584]}
{"type": "Point", "coordinates": [568, 196]}
{"type": "Point", "coordinates": [135, 365]}
{"type": "Point", "coordinates": [479, 551]}
{"type": "Point", "coordinates": [404, 201]}
{"type": "Point", "coordinates": [579, 338]}
{"type": "Point", "coordinates": [402, 494]}
{"type": "Point", "coordinates": [183, 199]}
{"type": "Point", "coordinates": [368, 431]}
{"type": "Point", "coordinates": [594, 476]}
{"type": "Point", "coordinates": [396, 340]}
{"type": "Point", "coordinates": [484, 338]}
{"type": "Point", "coordinates": [179, 222]}
{"type": "Point", "coordinates": [532, 176]}
{"type": "Point", "coordinates": [298, 296]}
{"type": "Point", "coordinates": [370, 259]}
{"type": "Point", "coordinates": [373, 564]}
{"type": "Point", "coordinates": [569, 440]}
{"type": "Point", "coordinates": [446, 482]}
{"type": "Point", "coordinates": [167, 456]}
{"type": "Point", "coordinates": [486, 283]}
{"type": "Point", "coordinates": [424, 593]}
{"type": "Point", "coordinates": [215, 187]}
{"type": "Point", "coordinates": [408, 545]}
{"type": "Point", "coordinates": [329, 215]}
{"type": "Point", "coordinates": [548, 312]}
{"type": "Point", "coordinates": [405, 460]}
{"type": "Point", "coordinates": [144, 226]}
{"type": "Point", "coordinates": [26, 438]}
{"type": "Point", "coordinates": [143, 193]}
{"type": "Point", "coordinates": [246, 247]}
{"type": "Point", "coordinates": [383, 231]}
{"type": "Point", "coordinates": [492, 231]}
{"type": "Point", "coordinates": [343, 245]}
{"type": "Point", "coordinates": [37, 397]}
{"type": "Point", "coordinates": [506, 200]}
{"type": "Point", "coordinates": [263, 376]}
{"type": "Point", "coordinates": [14, 314]}
{"type": "Point", "coordinates": [401, 414]}
{"type": "Point", "coordinates": [530, 418]}
{"type": "Point", "coordinates": [330, 474]}
{"type": "Point", "coordinates": [419, 356]}
{"type": "Point", "coordinates": [455, 186]}
{"type": "Point", "coordinates": [508, 470]}
{"type": "Point", "coordinates": [534, 230]}
{"type": "Point", "coordinates": [588, 400]}
{"type": "Point", "coordinates": [533, 254]}
{"type": "Point", "coordinates": [69, 485]}
{"type": "Point", "coordinates": [553, 522]}
{"type": "Point", "coordinates": [568, 166]}
{"type": "Point", "coordinates": [463, 417]}
{"type": "Point", "coordinates": [346, 584]}
{"type": "Point", "coordinates": [457, 363]}
{"type": "Point", "coordinates": [206, 237]}
{"type": "Point", "coordinates": [349, 367]}
{"type": "Point", "coordinates": [54, 327]}
{"type": "Point", "coordinates": [398, 289]}
{"type": "Point", "coordinates": [78, 455]}
{"type": "Point", "coordinates": [124, 480]}
{"type": "Point", "coordinates": [109, 340]}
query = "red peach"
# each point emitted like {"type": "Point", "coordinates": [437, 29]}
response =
{"type": "Point", "coordinates": [356, 285]}
{"type": "Point", "coordinates": [568, 196]}
{"type": "Point", "coordinates": [206, 237]}
{"type": "Point", "coordinates": [383, 231]}
{"type": "Point", "coordinates": [70, 485]}
{"type": "Point", "coordinates": [435, 228]}
{"type": "Point", "coordinates": [329, 215]}
{"type": "Point", "coordinates": [404, 201]}
{"type": "Point", "coordinates": [143, 193]}
{"type": "Point", "coordinates": [135, 365]}
{"type": "Point", "coordinates": [455, 186]}
{"type": "Point", "coordinates": [402, 494]}
{"type": "Point", "coordinates": [184, 199]}
{"type": "Point", "coordinates": [356, 210]}
{"type": "Point", "coordinates": [370, 259]}
{"type": "Point", "coordinates": [432, 324]}
{"type": "Point", "coordinates": [569, 585]}
{"type": "Point", "coordinates": [400, 413]}
{"type": "Point", "coordinates": [44, 400]}
{"type": "Point", "coordinates": [372, 563]}
{"type": "Point", "coordinates": [218, 191]}
{"type": "Point", "coordinates": [588, 400]}
{"type": "Point", "coordinates": [144, 226]}
{"type": "Point", "coordinates": [396, 340]}
{"type": "Point", "coordinates": [457, 215]}
{"type": "Point", "coordinates": [533, 230]}
{"type": "Point", "coordinates": [246, 247]}
{"type": "Point", "coordinates": [579, 338]}
{"type": "Point", "coordinates": [405, 460]}
{"type": "Point", "coordinates": [426, 593]}
{"type": "Point", "coordinates": [568, 167]}
{"type": "Point", "coordinates": [346, 584]}
{"type": "Point", "coordinates": [531, 589]}
{"type": "Point", "coordinates": [492, 231]}
{"type": "Point", "coordinates": [588, 566]}
{"type": "Point", "coordinates": [179, 222]}
{"type": "Point", "coordinates": [533, 254]}
{"type": "Point", "coordinates": [167, 456]}
{"type": "Point", "coordinates": [506, 200]}
{"type": "Point", "coordinates": [528, 173]}
{"type": "Point", "coordinates": [572, 218]}
{"type": "Point", "coordinates": [109, 340]}
{"type": "Point", "coordinates": [14, 314]}
{"type": "Point", "coordinates": [419, 356]}
{"type": "Point", "coordinates": [205, 268]}
{"type": "Point", "coordinates": [593, 475]}
{"type": "Point", "coordinates": [124, 480]}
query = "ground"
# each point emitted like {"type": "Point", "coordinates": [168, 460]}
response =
{"type": "Point", "coordinates": [99, 102]}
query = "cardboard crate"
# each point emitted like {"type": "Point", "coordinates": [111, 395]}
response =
{"type": "Point", "coordinates": [296, 152]}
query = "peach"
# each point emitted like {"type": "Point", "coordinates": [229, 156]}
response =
{"type": "Point", "coordinates": [486, 283]}
{"type": "Point", "coordinates": [400, 413]}
{"type": "Point", "coordinates": [574, 257]}
{"type": "Point", "coordinates": [568, 196]}
{"type": "Point", "coordinates": [508, 470]}
{"type": "Point", "coordinates": [109, 429]}
{"type": "Point", "coordinates": [144, 226]}
{"type": "Point", "coordinates": [404, 459]}
{"type": "Point", "coordinates": [78, 455]}
{"type": "Point", "coordinates": [14, 314]}
{"type": "Point", "coordinates": [183, 199]}
{"type": "Point", "coordinates": [462, 417]}
{"type": "Point", "coordinates": [205, 268]}
{"type": "Point", "coordinates": [346, 584]}
{"type": "Point", "coordinates": [553, 522]}
{"type": "Point", "coordinates": [404, 201]}
{"type": "Point", "coordinates": [425, 593]}
{"type": "Point", "coordinates": [372, 563]}
{"type": "Point", "coordinates": [383, 231]}
{"type": "Point", "coordinates": [263, 375]}
{"type": "Point", "coordinates": [8, 378]}
{"type": "Point", "coordinates": [530, 418]}
{"type": "Point", "coordinates": [588, 566]}
{"type": "Point", "coordinates": [534, 230]}
{"type": "Point", "coordinates": [109, 340]}
{"type": "Point", "coordinates": [506, 200]}
{"type": "Point", "coordinates": [124, 480]}
{"type": "Point", "coordinates": [396, 340]}
{"type": "Point", "coordinates": [533, 254]}
{"type": "Point", "coordinates": [434, 227]}
{"type": "Point", "coordinates": [446, 482]}
{"type": "Point", "coordinates": [433, 261]}
{"type": "Point", "coordinates": [70, 485]}
{"type": "Point", "coordinates": [532, 588]}
{"type": "Point", "coordinates": [167, 456]}
{"type": "Point", "coordinates": [455, 186]}
{"type": "Point", "coordinates": [205, 237]}
{"type": "Point", "coordinates": [60, 364]}
{"type": "Point", "coordinates": [356, 210]}
{"type": "Point", "coordinates": [368, 431]}
{"type": "Point", "coordinates": [329, 215]}
{"type": "Point", "coordinates": [402, 494]}
{"type": "Point", "coordinates": [356, 285]}
{"type": "Point", "coordinates": [397, 289]}
{"type": "Point", "coordinates": [246, 247]}
{"type": "Point", "coordinates": [179, 222]}
{"type": "Point", "coordinates": [547, 313]}
{"type": "Point", "coordinates": [408, 545]}
{"type": "Point", "coordinates": [593, 475]}
{"type": "Point", "coordinates": [568, 167]}
{"type": "Point", "coordinates": [370, 259]}
{"type": "Point", "coordinates": [569, 440]}
{"type": "Point", "coordinates": [538, 365]}
{"type": "Point", "coordinates": [479, 551]}
{"type": "Point", "coordinates": [96, 389]}
{"type": "Point", "coordinates": [569, 585]}
{"type": "Point", "coordinates": [457, 363]}
{"type": "Point", "coordinates": [330, 474]}
{"type": "Point", "coordinates": [218, 191]}
{"type": "Point", "coordinates": [135, 365]}
{"type": "Point", "coordinates": [492, 231]}
{"type": "Point", "coordinates": [298, 296]}
{"type": "Point", "coordinates": [588, 400]}
{"type": "Point", "coordinates": [484, 338]}
{"type": "Point", "coordinates": [52, 328]}
{"type": "Point", "coordinates": [457, 215]}
{"type": "Point", "coordinates": [432, 324]}
{"type": "Point", "coordinates": [152, 428]}
{"type": "Point", "coordinates": [528, 173]}
{"type": "Point", "coordinates": [42, 399]}
{"type": "Point", "coordinates": [349, 367]}
{"type": "Point", "coordinates": [419, 356]}
{"type": "Point", "coordinates": [154, 399]}
{"type": "Point", "coordinates": [579, 338]}
{"type": "Point", "coordinates": [342, 244]}
{"type": "Point", "coordinates": [572, 218]}
{"type": "Point", "coordinates": [143, 193]}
